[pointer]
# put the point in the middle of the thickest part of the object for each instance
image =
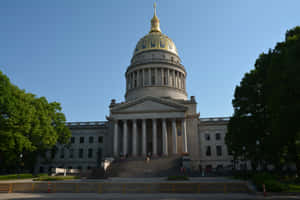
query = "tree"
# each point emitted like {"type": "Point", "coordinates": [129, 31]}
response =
{"type": "Point", "coordinates": [266, 105]}
{"type": "Point", "coordinates": [29, 126]}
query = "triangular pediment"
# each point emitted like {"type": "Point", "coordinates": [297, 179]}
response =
{"type": "Point", "coordinates": [149, 104]}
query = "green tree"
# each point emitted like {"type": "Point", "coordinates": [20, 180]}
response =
{"type": "Point", "coordinates": [266, 105]}
{"type": "Point", "coordinates": [284, 95]}
{"type": "Point", "coordinates": [29, 126]}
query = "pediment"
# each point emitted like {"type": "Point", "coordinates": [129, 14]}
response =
{"type": "Point", "coordinates": [149, 104]}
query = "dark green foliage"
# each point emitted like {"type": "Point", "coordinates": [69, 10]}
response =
{"type": "Point", "coordinates": [271, 182]}
{"type": "Point", "coordinates": [29, 126]}
{"type": "Point", "coordinates": [267, 107]}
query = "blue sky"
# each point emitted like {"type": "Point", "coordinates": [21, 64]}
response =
{"type": "Point", "coordinates": [76, 52]}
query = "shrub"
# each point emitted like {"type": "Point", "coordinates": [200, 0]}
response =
{"type": "Point", "coordinates": [271, 182]}
{"type": "Point", "coordinates": [275, 186]}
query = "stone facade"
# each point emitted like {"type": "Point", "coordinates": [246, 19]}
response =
{"type": "Point", "coordinates": [157, 117]}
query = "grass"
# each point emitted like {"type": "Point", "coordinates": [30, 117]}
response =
{"type": "Point", "coordinates": [177, 178]}
{"type": "Point", "coordinates": [55, 178]}
{"type": "Point", "coordinates": [18, 176]}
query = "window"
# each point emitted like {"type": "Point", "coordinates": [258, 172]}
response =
{"type": "Point", "coordinates": [71, 155]}
{"type": "Point", "coordinates": [80, 153]}
{"type": "Point", "coordinates": [100, 139]}
{"type": "Point", "coordinates": [72, 140]}
{"type": "Point", "coordinates": [70, 167]}
{"type": "Point", "coordinates": [218, 136]}
{"type": "Point", "coordinates": [79, 167]}
{"type": "Point", "coordinates": [81, 139]}
{"type": "Point", "coordinates": [207, 136]}
{"type": "Point", "coordinates": [62, 153]}
{"type": "Point", "coordinates": [208, 151]}
{"type": "Point", "coordinates": [90, 153]}
{"type": "Point", "coordinates": [91, 139]}
{"type": "Point", "coordinates": [219, 150]}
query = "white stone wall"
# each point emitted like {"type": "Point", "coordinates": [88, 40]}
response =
{"type": "Point", "coordinates": [211, 129]}
{"type": "Point", "coordinates": [76, 162]}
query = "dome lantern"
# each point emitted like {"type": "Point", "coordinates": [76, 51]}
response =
{"type": "Point", "coordinates": [155, 22]}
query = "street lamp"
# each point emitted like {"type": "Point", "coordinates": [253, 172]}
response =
{"type": "Point", "coordinates": [245, 163]}
{"type": "Point", "coordinates": [21, 156]}
{"type": "Point", "coordinates": [257, 144]}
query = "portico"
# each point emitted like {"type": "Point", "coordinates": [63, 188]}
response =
{"type": "Point", "coordinates": [149, 125]}
{"type": "Point", "coordinates": [158, 136]}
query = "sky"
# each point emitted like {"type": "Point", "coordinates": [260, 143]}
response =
{"type": "Point", "coordinates": [76, 52]}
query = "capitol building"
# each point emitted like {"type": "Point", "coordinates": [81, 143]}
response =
{"type": "Point", "coordinates": [157, 116]}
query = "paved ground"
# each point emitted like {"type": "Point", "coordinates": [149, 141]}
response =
{"type": "Point", "coordinates": [90, 196]}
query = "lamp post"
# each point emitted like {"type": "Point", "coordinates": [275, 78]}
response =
{"type": "Point", "coordinates": [245, 163]}
{"type": "Point", "coordinates": [21, 156]}
{"type": "Point", "coordinates": [257, 145]}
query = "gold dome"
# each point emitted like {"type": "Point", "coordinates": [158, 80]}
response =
{"type": "Point", "coordinates": [155, 39]}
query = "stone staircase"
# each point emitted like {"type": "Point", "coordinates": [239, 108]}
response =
{"type": "Point", "coordinates": [139, 167]}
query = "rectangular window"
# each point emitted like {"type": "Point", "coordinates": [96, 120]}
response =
{"type": "Point", "coordinates": [81, 140]}
{"type": "Point", "coordinates": [72, 140]}
{"type": "Point", "coordinates": [100, 139]}
{"type": "Point", "coordinates": [208, 151]}
{"type": "Point", "coordinates": [207, 137]}
{"type": "Point", "coordinates": [80, 153]}
{"type": "Point", "coordinates": [71, 155]}
{"type": "Point", "coordinates": [218, 136]}
{"type": "Point", "coordinates": [91, 139]}
{"type": "Point", "coordinates": [219, 150]}
{"type": "Point", "coordinates": [90, 153]}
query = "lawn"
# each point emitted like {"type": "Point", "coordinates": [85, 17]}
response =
{"type": "Point", "coordinates": [18, 176]}
{"type": "Point", "coordinates": [55, 178]}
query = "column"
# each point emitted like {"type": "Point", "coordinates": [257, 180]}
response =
{"type": "Point", "coordinates": [134, 143]}
{"type": "Point", "coordinates": [162, 76]}
{"type": "Point", "coordinates": [149, 75]}
{"type": "Point", "coordinates": [144, 148]}
{"type": "Point", "coordinates": [125, 140]}
{"type": "Point", "coordinates": [155, 76]}
{"type": "Point", "coordinates": [168, 77]}
{"type": "Point", "coordinates": [138, 78]}
{"type": "Point", "coordinates": [165, 138]}
{"type": "Point", "coordinates": [116, 138]}
{"type": "Point", "coordinates": [143, 77]}
{"type": "Point", "coordinates": [184, 139]}
{"type": "Point", "coordinates": [154, 139]}
{"type": "Point", "coordinates": [174, 136]}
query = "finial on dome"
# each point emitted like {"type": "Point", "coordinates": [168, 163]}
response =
{"type": "Point", "coordinates": [155, 21]}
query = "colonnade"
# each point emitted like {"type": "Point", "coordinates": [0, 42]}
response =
{"type": "Point", "coordinates": [144, 151]}
{"type": "Point", "coordinates": [155, 77]}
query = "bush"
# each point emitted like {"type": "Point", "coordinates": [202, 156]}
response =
{"type": "Point", "coordinates": [177, 178]}
{"type": "Point", "coordinates": [275, 186]}
{"type": "Point", "coordinates": [271, 182]}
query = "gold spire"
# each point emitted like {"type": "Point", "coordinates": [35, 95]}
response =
{"type": "Point", "coordinates": [155, 22]}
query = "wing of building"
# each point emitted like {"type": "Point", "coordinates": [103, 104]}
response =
{"type": "Point", "coordinates": [157, 117]}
